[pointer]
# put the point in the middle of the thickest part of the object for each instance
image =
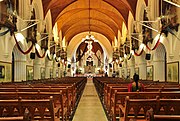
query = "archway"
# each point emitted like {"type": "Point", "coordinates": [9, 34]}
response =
{"type": "Point", "coordinates": [19, 67]}
{"type": "Point", "coordinates": [159, 60]}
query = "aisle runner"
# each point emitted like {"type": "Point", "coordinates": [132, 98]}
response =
{"type": "Point", "coordinates": [89, 108]}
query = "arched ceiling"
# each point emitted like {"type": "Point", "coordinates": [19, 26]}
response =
{"type": "Point", "coordinates": [102, 16]}
{"type": "Point", "coordinates": [84, 28]}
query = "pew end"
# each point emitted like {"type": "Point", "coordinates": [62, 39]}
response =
{"type": "Point", "coordinates": [150, 116]}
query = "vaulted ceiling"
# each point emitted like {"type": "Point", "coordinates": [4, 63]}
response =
{"type": "Point", "coordinates": [102, 16]}
{"type": "Point", "coordinates": [105, 17]}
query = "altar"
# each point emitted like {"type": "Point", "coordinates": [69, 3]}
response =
{"type": "Point", "coordinates": [89, 69]}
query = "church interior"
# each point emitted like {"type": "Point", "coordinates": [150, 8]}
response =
{"type": "Point", "coordinates": [89, 60]}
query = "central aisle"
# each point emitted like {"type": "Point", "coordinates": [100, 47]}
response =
{"type": "Point", "coordinates": [89, 107]}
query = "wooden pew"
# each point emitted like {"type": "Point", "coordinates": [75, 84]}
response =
{"type": "Point", "coordinates": [71, 93]}
{"type": "Point", "coordinates": [101, 82]}
{"type": "Point", "coordinates": [25, 117]}
{"type": "Point", "coordinates": [59, 99]}
{"type": "Point", "coordinates": [151, 116]}
{"type": "Point", "coordinates": [20, 118]}
{"type": "Point", "coordinates": [42, 109]}
{"type": "Point", "coordinates": [118, 99]}
{"type": "Point", "coordinates": [137, 108]}
{"type": "Point", "coordinates": [112, 89]}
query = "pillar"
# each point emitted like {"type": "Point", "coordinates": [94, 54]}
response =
{"type": "Point", "coordinates": [120, 72]}
{"type": "Point", "coordinates": [124, 69]}
{"type": "Point", "coordinates": [37, 68]}
{"type": "Point", "coordinates": [47, 68]}
{"type": "Point", "coordinates": [159, 70]}
{"type": "Point", "coordinates": [61, 70]}
{"type": "Point", "coordinates": [55, 70]}
{"type": "Point", "coordinates": [19, 70]}
{"type": "Point", "coordinates": [6, 45]}
{"type": "Point", "coordinates": [142, 70]}
{"type": "Point", "coordinates": [132, 70]}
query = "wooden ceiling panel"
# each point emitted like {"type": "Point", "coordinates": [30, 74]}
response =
{"type": "Point", "coordinates": [45, 4]}
{"type": "Point", "coordinates": [85, 21]}
{"type": "Point", "coordinates": [123, 10]}
{"type": "Point", "coordinates": [101, 25]}
{"type": "Point", "coordinates": [133, 4]}
{"type": "Point", "coordinates": [56, 7]}
{"type": "Point", "coordinates": [74, 31]}
{"type": "Point", "coordinates": [78, 13]}
{"type": "Point", "coordinates": [106, 16]}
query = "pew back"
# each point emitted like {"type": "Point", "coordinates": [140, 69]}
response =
{"type": "Point", "coordinates": [42, 109]}
{"type": "Point", "coordinates": [137, 108]}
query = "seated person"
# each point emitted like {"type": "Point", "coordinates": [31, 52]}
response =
{"type": "Point", "coordinates": [135, 86]}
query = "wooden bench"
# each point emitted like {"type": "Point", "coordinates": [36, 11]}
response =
{"type": "Point", "coordinates": [71, 93]}
{"type": "Point", "coordinates": [67, 91]}
{"type": "Point", "coordinates": [137, 108]}
{"type": "Point", "coordinates": [111, 91]}
{"type": "Point", "coordinates": [42, 109]}
{"type": "Point", "coordinates": [151, 116]}
{"type": "Point", "coordinates": [20, 118]}
{"type": "Point", "coordinates": [60, 101]}
{"type": "Point", "coordinates": [25, 117]}
{"type": "Point", "coordinates": [118, 99]}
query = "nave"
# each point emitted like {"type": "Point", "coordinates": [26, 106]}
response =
{"type": "Point", "coordinates": [90, 107]}
{"type": "Point", "coordinates": [48, 48]}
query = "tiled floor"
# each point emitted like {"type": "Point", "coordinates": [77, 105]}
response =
{"type": "Point", "coordinates": [89, 107]}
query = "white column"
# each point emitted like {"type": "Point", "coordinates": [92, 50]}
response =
{"type": "Point", "coordinates": [142, 70]}
{"type": "Point", "coordinates": [47, 72]}
{"type": "Point", "coordinates": [55, 69]}
{"type": "Point", "coordinates": [125, 68]}
{"type": "Point", "coordinates": [37, 67]}
{"type": "Point", "coordinates": [6, 44]}
{"type": "Point", "coordinates": [132, 66]}
{"type": "Point", "coordinates": [19, 70]}
{"type": "Point", "coordinates": [73, 68]}
{"type": "Point", "coordinates": [159, 70]}
{"type": "Point", "coordinates": [125, 72]}
{"type": "Point", "coordinates": [61, 70]}
{"type": "Point", "coordinates": [2, 42]}
{"type": "Point", "coordinates": [132, 70]}
{"type": "Point", "coordinates": [47, 68]}
{"type": "Point", "coordinates": [120, 72]}
{"type": "Point", "coordinates": [171, 54]}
